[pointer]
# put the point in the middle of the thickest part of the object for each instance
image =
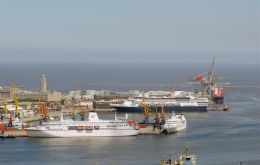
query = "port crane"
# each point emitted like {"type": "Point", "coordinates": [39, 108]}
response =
{"type": "Point", "coordinates": [15, 98]}
{"type": "Point", "coordinates": [175, 86]}
{"type": "Point", "coordinates": [159, 117]}
{"type": "Point", "coordinates": [211, 84]}
{"type": "Point", "coordinates": [147, 112]}
{"type": "Point", "coordinates": [43, 109]}
{"type": "Point", "coordinates": [210, 80]}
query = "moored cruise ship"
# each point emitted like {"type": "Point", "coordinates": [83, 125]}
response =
{"type": "Point", "coordinates": [179, 101]}
{"type": "Point", "coordinates": [90, 128]}
{"type": "Point", "coordinates": [175, 123]}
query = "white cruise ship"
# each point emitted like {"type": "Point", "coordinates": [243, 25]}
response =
{"type": "Point", "coordinates": [89, 128]}
{"type": "Point", "coordinates": [175, 123]}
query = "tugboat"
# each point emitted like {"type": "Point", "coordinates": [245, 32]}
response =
{"type": "Point", "coordinates": [185, 159]}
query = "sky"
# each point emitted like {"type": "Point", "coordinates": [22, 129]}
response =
{"type": "Point", "coordinates": [133, 31]}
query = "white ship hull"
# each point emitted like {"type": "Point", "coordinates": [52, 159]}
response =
{"type": "Point", "coordinates": [175, 124]}
{"type": "Point", "coordinates": [175, 129]}
{"type": "Point", "coordinates": [80, 133]}
{"type": "Point", "coordinates": [92, 128]}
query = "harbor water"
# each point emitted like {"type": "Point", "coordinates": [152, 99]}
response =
{"type": "Point", "coordinates": [222, 138]}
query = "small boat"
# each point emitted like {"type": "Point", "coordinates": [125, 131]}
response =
{"type": "Point", "coordinates": [185, 159]}
{"type": "Point", "coordinates": [174, 124]}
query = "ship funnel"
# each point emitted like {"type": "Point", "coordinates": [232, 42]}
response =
{"type": "Point", "coordinates": [92, 116]}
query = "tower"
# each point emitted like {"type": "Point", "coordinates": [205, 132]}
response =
{"type": "Point", "coordinates": [43, 84]}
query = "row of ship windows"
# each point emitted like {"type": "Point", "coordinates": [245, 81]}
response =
{"type": "Point", "coordinates": [90, 128]}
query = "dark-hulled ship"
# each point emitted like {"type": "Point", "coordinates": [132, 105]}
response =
{"type": "Point", "coordinates": [178, 101]}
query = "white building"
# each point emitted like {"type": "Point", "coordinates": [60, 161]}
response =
{"type": "Point", "coordinates": [75, 94]}
{"type": "Point", "coordinates": [43, 84]}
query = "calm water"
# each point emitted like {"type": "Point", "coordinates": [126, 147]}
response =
{"type": "Point", "coordinates": [65, 77]}
{"type": "Point", "coordinates": [221, 138]}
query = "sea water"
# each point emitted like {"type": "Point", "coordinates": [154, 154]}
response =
{"type": "Point", "coordinates": [222, 138]}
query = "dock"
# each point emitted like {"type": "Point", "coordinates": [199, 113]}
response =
{"type": "Point", "coordinates": [12, 131]}
{"type": "Point", "coordinates": [149, 130]}
{"type": "Point", "coordinates": [18, 133]}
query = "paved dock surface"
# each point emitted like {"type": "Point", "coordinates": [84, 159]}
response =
{"type": "Point", "coordinates": [18, 133]}
{"type": "Point", "coordinates": [149, 130]}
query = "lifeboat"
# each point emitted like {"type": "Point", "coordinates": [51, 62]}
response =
{"type": "Point", "coordinates": [80, 127]}
{"type": "Point", "coordinates": [88, 127]}
{"type": "Point", "coordinates": [96, 126]}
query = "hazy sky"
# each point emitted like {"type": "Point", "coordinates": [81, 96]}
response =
{"type": "Point", "coordinates": [130, 31]}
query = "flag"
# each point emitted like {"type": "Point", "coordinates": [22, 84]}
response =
{"type": "Point", "coordinates": [199, 77]}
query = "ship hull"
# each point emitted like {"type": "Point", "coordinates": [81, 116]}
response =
{"type": "Point", "coordinates": [218, 100]}
{"type": "Point", "coordinates": [175, 129]}
{"type": "Point", "coordinates": [81, 133]}
{"type": "Point", "coordinates": [178, 109]}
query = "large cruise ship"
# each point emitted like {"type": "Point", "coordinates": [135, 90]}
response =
{"type": "Point", "coordinates": [92, 127]}
{"type": "Point", "coordinates": [178, 101]}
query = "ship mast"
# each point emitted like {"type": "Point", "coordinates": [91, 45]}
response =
{"type": "Point", "coordinates": [210, 75]}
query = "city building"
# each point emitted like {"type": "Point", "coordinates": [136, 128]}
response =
{"type": "Point", "coordinates": [54, 96]}
{"type": "Point", "coordinates": [31, 96]}
{"type": "Point", "coordinates": [5, 94]}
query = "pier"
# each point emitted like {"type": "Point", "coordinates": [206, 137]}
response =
{"type": "Point", "coordinates": [149, 130]}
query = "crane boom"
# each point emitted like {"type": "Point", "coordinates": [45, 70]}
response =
{"type": "Point", "coordinates": [146, 109]}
